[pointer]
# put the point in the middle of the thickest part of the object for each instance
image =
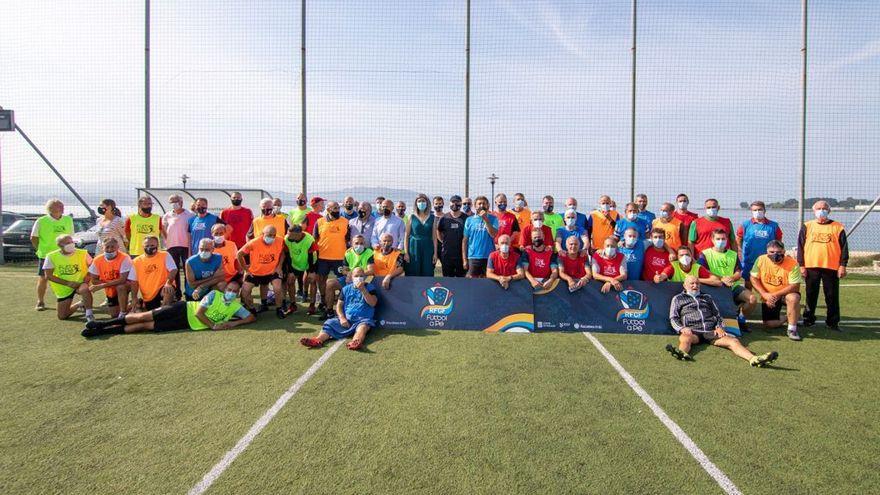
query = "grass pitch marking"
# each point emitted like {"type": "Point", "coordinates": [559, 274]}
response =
{"type": "Point", "coordinates": [261, 423]}
{"type": "Point", "coordinates": [723, 481]}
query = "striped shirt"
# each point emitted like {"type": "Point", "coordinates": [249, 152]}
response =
{"type": "Point", "coordinates": [699, 313]}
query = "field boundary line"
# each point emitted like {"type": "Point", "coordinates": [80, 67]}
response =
{"type": "Point", "coordinates": [243, 443]}
{"type": "Point", "coordinates": [723, 481]}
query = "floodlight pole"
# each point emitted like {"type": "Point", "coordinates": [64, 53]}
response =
{"type": "Point", "coordinates": [302, 89]}
{"type": "Point", "coordinates": [147, 94]}
{"type": "Point", "coordinates": [492, 178]}
{"type": "Point", "coordinates": [632, 117]}
{"type": "Point", "coordinates": [803, 178]}
{"type": "Point", "coordinates": [467, 104]}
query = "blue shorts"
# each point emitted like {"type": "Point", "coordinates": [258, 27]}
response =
{"type": "Point", "coordinates": [737, 291]}
{"type": "Point", "coordinates": [333, 328]}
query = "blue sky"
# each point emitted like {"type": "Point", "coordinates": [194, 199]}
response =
{"type": "Point", "coordinates": [718, 95]}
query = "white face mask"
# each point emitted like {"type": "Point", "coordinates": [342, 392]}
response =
{"type": "Point", "coordinates": [610, 252]}
{"type": "Point", "coordinates": [205, 255]}
{"type": "Point", "coordinates": [358, 281]}
{"type": "Point", "coordinates": [537, 224]}
{"type": "Point", "coordinates": [276, 210]}
{"type": "Point", "coordinates": [111, 255]}
{"type": "Point", "coordinates": [570, 221]}
{"type": "Point", "coordinates": [664, 214]}
{"type": "Point", "coordinates": [359, 248]}
{"type": "Point", "coordinates": [682, 205]}
{"type": "Point", "coordinates": [177, 205]}
{"type": "Point", "coordinates": [822, 214]}
{"type": "Point", "coordinates": [219, 239]}
{"type": "Point", "coordinates": [685, 260]}
{"type": "Point", "coordinates": [268, 240]}
{"type": "Point", "coordinates": [504, 248]}
{"type": "Point", "coordinates": [693, 293]}
{"type": "Point", "coordinates": [69, 248]}
{"type": "Point", "coordinates": [657, 242]}
{"type": "Point", "coordinates": [712, 212]}
{"type": "Point", "coordinates": [631, 216]}
{"type": "Point", "coordinates": [758, 214]}
{"type": "Point", "coordinates": [229, 296]}
{"type": "Point", "coordinates": [629, 241]}
{"type": "Point", "coordinates": [604, 207]}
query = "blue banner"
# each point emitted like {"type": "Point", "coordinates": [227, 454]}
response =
{"type": "Point", "coordinates": [480, 304]}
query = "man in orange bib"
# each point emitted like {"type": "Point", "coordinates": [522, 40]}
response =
{"type": "Point", "coordinates": [110, 272]}
{"type": "Point", "coordinates": [823, 254]}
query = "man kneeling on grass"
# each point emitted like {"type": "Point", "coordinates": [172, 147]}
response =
{"type": "Point", "coordinates": [354, 314]}
{"type": "Point", "coordinates": [215, 311]}
{"type": "Point", "coordinates": [697, 320]}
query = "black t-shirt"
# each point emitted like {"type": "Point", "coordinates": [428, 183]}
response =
{"type": "Point", "coordinates": [452, 232]}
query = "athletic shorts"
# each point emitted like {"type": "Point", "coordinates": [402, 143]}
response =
{"type": "Point", "coordinates": [477, 267]}
{"type": "Point", "coordinates": [706, 338]}
{"type": "Point", "coordinates": [774, 313]}
{"type": "Point", "coordinates": [261, 279]}
{"type": "Point", "coordinates": [170, 318]}
{"type": "Point", "coordinates": [66, 298]}
{"type": "Point", "coordinates": [113, 300]}
{"type": "Point", "coordinates": [335, 329]}
{"type": "Point", "coordinates": [296, 274]}
{"type": "Point", "coordinates": [40, 266]}
{"type": "Point", "coordinates": [153, 303]}
{"type": "Point", "coordinates": [737, 291]}
{"type": "Point", "coordinates": [326, 267]}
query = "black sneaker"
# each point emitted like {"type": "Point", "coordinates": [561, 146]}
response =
{"type": "Point", "coordinates": [808, 323]}
{"type": "Point", "coordinates": [263, 308]}
{"type": "Point", "coordinates": [90, 332]}
{"type": "Point", "coordinates": [281, 313]}
{"type": "Point", "coordinates": [677, 353]}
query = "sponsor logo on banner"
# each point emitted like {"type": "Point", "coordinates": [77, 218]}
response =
{"type": "Point", "coordinates": [440, 305]}
{"type": "Point", "coordinates": [635, 311]}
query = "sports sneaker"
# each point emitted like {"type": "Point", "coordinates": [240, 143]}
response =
{"type": "Point", "coordinates": [678, 353]}
{"type": "Point", "coordinates": [41, 306]}
{"type": "Point", "coordinates": [793, 334]}
{"type": "Point", "coordinates": [281, 313]}
{"type": "Point", "coordinates": [764, 359]}
{"type": "Point", "coordinates": [90, 318]}
{"type": "Point", "coordinates": [311, 342]}
{"type": "Point", "coordinates": [311, 309]}
{"type": "Point", "coordinates": [263, 308]}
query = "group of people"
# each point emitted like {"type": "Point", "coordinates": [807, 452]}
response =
{"type": "Point", "coordinates": [321, 248]}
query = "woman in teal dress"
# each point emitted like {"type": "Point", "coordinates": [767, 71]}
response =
{"type": "Point", "coordinates": [420, 256]}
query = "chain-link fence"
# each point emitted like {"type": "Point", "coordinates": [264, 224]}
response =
{"type": "Point", "coordinates": [559, 97]}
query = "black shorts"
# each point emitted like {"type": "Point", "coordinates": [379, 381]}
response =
{"type": "Point", "coordinates": [153, 303]}
{"type": "Point", "coordinates": [774, 313]}
{"type": "Point", "coordinates": [452, 267]}
{"type": "Point", "coordinates": [705, 338]}
{"type": "Point", "coordinates": [477, 267]}
{"type": "Point", "coordinates": [40, 266]}
{"type": "Point", "coordinates": [326, 267]}
{"type": "Point", "coordinates": [296, 274]}
{"type": "Point", "coordinates": [170, 318]}
{"type": "Point", "coordinates": [113, 300]}
{"type": "Point", "coordinates": [66, 298]}
{"type": "Point", "coordinates": [237, 278]}
{"type": "Point", "coordinates": [261, 279]}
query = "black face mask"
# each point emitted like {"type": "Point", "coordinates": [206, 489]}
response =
{"type": "Point", "coordinates": [401, 212]}
{"type": "Point", "coordinates": [334, 215]}
{"type": "Point", "coordinates": [776, 257]}
{"type": "Point", "coordinates": [455, 207]}
{"type": "Point", "coordinates": [236, 202]}
{"type": "Point", "coordinates": [101, 210]}
{"type": "Point", "coordinates": [202, 209]}
{"type": "Point", "coordinates": [296, 229]}
{"type": "Point", "coordinates": [301, 202]}
{"type": "Point", "coordinates": [348, 207]}
{"type": "Point", "coordinates": [537, 242]}
{"type": "Point", "coordinates": [151, 250]}
{"type": "Point", "coordinates": [268, 211]}
{"type": "Point", "coordinates": [362, 214]}
{"type": "Point", "coordinates": [548, 209]}
{"type": "Point", "coordinates": [385, 212]}
{"type": "Point", "coordinates": [438, 208]}
{"type": "Point", "coordinates": [502, 206]}
{"type": "Point", "coordinates": [147, 209]}
{"type": "Point", "coordinates": [480, 210]}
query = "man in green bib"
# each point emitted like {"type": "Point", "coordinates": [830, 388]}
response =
{"type": "Point", "coordinates": [685, 265]}
{"type": "Point", "coordinates": [44, 234]}
{"type": "Point", "coordinates": [67, 270]}
{"type": "Point", "coordinates": [216, 311]}
{"type": "Point", "coordinates": [299, 257]}
{"type": "Point", "coordinates": [725, 264]}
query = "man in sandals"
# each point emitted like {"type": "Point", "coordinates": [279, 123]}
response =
{"type": "Point", "coordinates": [697, 320]}
{"type": "Point", "coordinates": [354, 314]}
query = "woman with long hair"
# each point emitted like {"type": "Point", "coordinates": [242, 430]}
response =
{"type": "Point", "coordinates": [419, 240]}
{"type": "Point", "coordinates": [110, 225]}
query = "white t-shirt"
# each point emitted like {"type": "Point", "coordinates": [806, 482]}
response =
{"type": "Point", "coordinates": [124, 267]}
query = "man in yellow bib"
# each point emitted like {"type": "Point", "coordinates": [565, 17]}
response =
{"type": "Point", "coordinates": [44, 233]}
{"type": "Point", "coordinates": [67, 270]}
{"type": "Point", "coordinates": [822, 255]}
{"type": "Point", "coordinates": [142, 224]}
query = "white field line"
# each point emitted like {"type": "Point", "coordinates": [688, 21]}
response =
{"type": "Point", "coordinates": [261, 423]}
{"type": "Point", "coordinates": [723, 481]}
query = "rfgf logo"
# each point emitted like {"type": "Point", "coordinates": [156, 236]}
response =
{"type": "Point", "coordinates": [440, 303]}
{"type": "Point", "coordinates": [635, 311]}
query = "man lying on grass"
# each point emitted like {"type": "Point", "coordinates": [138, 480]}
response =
{"type": "Point", "coordinates": [695, 316]}
{"type": "Point", "coordinates": [354, 314]}
{"type": "Point", "coordinates": [215, 311]}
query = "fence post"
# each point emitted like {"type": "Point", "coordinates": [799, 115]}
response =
{"type": "Point", "coordinates": [803, 184]}
{"type": "Point", "coordinates": [302, 81]}
{"type": "Point", "coordinates": [467, 104]}
{"type": "Point", "coordinates": [147, 93]}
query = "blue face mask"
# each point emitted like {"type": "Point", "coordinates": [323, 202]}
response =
{"type": "Point", "coordinates": [422, 206]}
{"type": "Point", "coordinates": [229, 296]}
{"type": "Point", "coordinates": [712, 212]}
{"type": "Point", "coordinates": [721, 244]}
{"type": "Point", "coordinates": [205, 255]}
{"type": "Point", "coordinates": [821, 214]}
{"type": "Point", "coordinates": [111, 255]}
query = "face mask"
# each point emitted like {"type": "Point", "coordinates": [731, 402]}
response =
{"type": "Point", "coordinates": [219, 239]}
{"type": "Point", "coordinates": [357, 280]}
{"type": "Point", "coordinates": [348, 207]}
{"type": "Point", "coordinates": [682, 205]}
{"type": "Point", "coordinates": [720, 245]}
{"type": "Point", "coordinates": [236, 202]}
{"type": "Point", "coordinates": [776, 257]}
{"type": "Point", "coordinates": [334, 215]}
{"type": "Point", "coordinates": [268, 240]}
{"type": "Point", "coordinates": [151, 250]}
{"type": "Point", "coordinates": [455, 207]}
{"type": "Point", "coordinates": [296, 229]}
{"type": "Point", "coordinates": [177, 205]}
{"type": "Point", "coordinates": [664, 214]}
{"type": "Point", "coordinates": [268, 211]}
{"type": "Point", "coordinates": [631, 216]}
{"type": "Point", "coordinates": [438, 208]}
{"type": "Point", "coordinates": [570, 221]}
{"type": "Point", "coordinates": [610, 252]}
{"type": "Point", "coordinates": [693, 293]}
{"type": "Point", "coordinates": [537, 224]}
{"type": "Point", "coordinates": [520, 203]}
{"type": "Point", "coordinates": [465, 208]}
{"type": "Point", "coordinates": [111, 255]}
{"type": "Point", "coordinates": [69, 248]}
{"type": "Point", "coordinates": [501, 206]}
{"type": "Point", "coordinates": [537, 242]}
{"type": "Point", "coordinates": [385, 212]}
{"type": "Point", "coordinates": [480, 210]}
{"type": "Point", "coordinates": [571, 208]}
{"type": "Point", "coordinates": [276, 209]}
{"type": "Point", "coordinates": [605, 207]}
{"type": "Point", "coordinates": [229, 296]}
{"type": "Point", "coordinates": [504, 248]}
{"type": "Point", "coordinates": [358, 248]}
{"type": "Point", "coordinates": [629, 241]}
{"type": "Point", "coordinates": [657, 242]}
{"type": "Point", "coordinates": [685, 260]}
{"type": "Point", "coordinates": [401, 212]}
{"type": "Point", "coordinates": [205, 255]}
{"type": "Point", "coordinates": [147, 209]}
{"type": "Point", "coordinates": [548, 208]}
{"type": "Point", "coordinates": [421, 205]}
{"type": "Point", "coordinates": [301, 202]}
{"type": "Point", "coordinates": [822, 214]}
{"type": "Point", "coordinates": [612, 207]}
{"type": "Point", "coordinates": [202, 209]}
{"type": "Point", "coordinates": [712, 212]}
{"type": "Point", "coordinates": [101, 210]}
{"type": "Point", "coordinates": [362, 214]}
{"type": "Point", "coordinates": [758, 214]}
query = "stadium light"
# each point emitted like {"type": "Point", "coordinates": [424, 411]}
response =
{"type": "Point", "coordinates": [492, 178]}
{"type": "Point", "coordinates": [184, 178]}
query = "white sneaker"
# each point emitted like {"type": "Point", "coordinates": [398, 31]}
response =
{"type": "Point", "coordinates": [793, 334]}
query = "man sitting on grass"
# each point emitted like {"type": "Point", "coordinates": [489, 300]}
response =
{"type": "Point", "coordinates": [354, 314]}
{"type": "Point", "coordinates": [215, 311]}
{"type": "Point", "coordinates": [697, 320]}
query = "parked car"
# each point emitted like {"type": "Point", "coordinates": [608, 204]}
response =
{"type": "Point", "coordinates": [17, 238]}
{"type": "Point", "coordinates": [9, 218]}
{"type": "Point", "coordinates": [87, 239]}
